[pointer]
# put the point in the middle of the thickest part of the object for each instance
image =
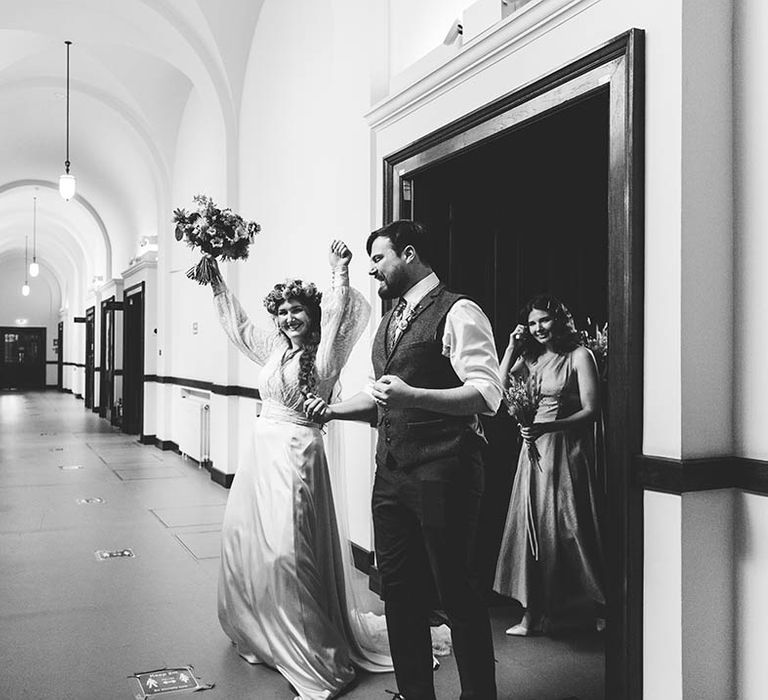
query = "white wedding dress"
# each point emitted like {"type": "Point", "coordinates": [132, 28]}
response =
{"type": "Point", "coordinates": [286, 592]}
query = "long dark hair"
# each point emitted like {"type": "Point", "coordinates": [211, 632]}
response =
{"type": "Point", "coordinates": [309, 297]}
{"type": "Point", "coordinates": [565, 337]}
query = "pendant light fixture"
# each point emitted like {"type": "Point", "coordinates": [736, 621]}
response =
{"type": "Point", "coordinates": [25, 288]}
{"type": "Point", "coordinates": [34, 268]}
{"type": "Point", "coordinates": [67, 181]}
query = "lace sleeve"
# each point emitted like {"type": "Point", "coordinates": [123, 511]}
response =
{"type": "Point", "coordinates": [345, 314]}
{"type": "Point", "coordinates": [254, 342]}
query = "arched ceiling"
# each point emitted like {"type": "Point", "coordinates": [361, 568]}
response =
{"type": "Point", "coordinates": [133, 65]}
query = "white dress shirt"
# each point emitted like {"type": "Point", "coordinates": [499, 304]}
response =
{"type": "Point", "coordinates": [467, 343]}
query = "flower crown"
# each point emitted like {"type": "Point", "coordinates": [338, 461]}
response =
{"type": "Point", "coordinates": [292, 289]}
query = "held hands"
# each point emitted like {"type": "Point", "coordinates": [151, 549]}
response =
{"type": "Point", "coordinates": [339, 255]}
{"type": "Point", "coordinates": [317, 409]}
{"type": "Point", "coordinates": [392, 392]}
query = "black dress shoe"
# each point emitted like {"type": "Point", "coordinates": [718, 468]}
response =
{"type": "Point", "coordinates": [395, 696]}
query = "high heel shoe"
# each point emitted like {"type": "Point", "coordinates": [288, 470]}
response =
{"type": "Point", "coordinates": [527, 627]}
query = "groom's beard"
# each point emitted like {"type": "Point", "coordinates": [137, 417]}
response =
{"type": "Point", "coordinates": [392, 286]}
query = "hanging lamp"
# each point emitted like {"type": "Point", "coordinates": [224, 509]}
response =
{"type": "Point", "coordinates": [34, 268]}
{"type": "Point", "coordinates": [25, 287]}
{"type": "Point", "coordinates": [67, 181]}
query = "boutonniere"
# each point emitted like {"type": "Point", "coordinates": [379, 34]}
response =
{"type": "Point", "coordinates": [404, 321]}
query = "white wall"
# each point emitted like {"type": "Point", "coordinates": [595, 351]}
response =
{"type": "Point", "coordinates": [707, 590]}
{"type": "Point", "coordinates": [751, 223]}
{"type": "Point", "coordinates": [707, 230]}
{"type": "Point", "coordinates": [751, 584]}
{"type": "Point", "coordinates": [188, 343]}
{"type": "Point", "coordinates": [750, 113]}
{"type": "Point", "coordinates": [662, 596]}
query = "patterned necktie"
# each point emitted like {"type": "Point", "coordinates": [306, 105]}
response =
{"type": "Point", "coordinates": [392, 331]}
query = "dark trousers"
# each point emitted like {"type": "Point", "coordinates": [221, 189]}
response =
{"type": "Point", "coordinates": [425, 520]}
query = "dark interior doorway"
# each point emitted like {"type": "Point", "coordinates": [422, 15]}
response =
{"type": "Point", "coordinates": [504, 241]}
{"type": "Point", "coordinates": [133, 360]}
{"type": "Point", "coordinates": [22, 364]}
{"type": "Point", "coordinates": [60, 357]}
{"type": "Point", "coordinates": [90, 350]}
{"type": "Point", "coordinates": [543, 190]}
{"type": "Point", "coordinates": [110, 401]}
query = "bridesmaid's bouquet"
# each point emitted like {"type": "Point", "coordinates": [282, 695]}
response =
{"type": "Point", "coordinates": [598, 345]}
{"type": "Point", "coordinates": [218, 233]}
{"type": "Point", "coordinates": [522, 399]}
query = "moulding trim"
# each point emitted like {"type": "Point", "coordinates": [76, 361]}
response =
{"type": "Point", "coordinates": [494, 44]}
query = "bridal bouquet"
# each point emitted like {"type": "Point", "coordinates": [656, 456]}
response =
{"type": "Point", "coordinates": [218, 233]}
{"type": "Point", "coordinates": [598, 344]}
{"type": "Point", "coordinates": [522, 399]}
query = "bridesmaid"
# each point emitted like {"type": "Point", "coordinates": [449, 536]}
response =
{"type": "Point", "coordinates": [551, 557]}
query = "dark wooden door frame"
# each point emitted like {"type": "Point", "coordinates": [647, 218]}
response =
{"type": "Point", "coordinates": [619, 68]}
{"type": "Point", "coordinates": [60, 357]}
{"type": "Point", "coordinates": [108, 371]}
{"type": "Point", "coordinates": [136, 372]}
{"type": "Point", "coordinates": [90, 359]}
{"type": "Point", "coordinates": [20, 371]}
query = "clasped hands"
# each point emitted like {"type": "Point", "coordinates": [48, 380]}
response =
{"type": "Point", "coordinates": [388, 391]}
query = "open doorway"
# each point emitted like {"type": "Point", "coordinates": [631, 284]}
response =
{"type": "Point", "coordinates": [133, 360]}
{"type": "Point", "coordinates": [90, 359]}
{"type": "Point", "coordinates": [542, 191]}
{"type": "Point", "coordinates": [110, 400]}
{"type": "Point", "coordinates": [505, 242]}
{"type": "Point", "coordinates": [22, 363]}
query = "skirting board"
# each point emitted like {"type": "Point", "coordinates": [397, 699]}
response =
{"type": "Point", "coordinates": [684, 476]}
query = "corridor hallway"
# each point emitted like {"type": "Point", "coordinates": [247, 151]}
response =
{"type": "Point", "coordinates": [76, 627]}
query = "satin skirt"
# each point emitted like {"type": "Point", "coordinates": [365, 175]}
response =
{"type": "Point", "coordinates": [281, 581]}
{"type": "Point", "coordinates": [551, 557]}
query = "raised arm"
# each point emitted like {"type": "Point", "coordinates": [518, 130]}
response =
{"type": "Point", "coordinates": [512, 361]}
{"type": "Point", "coordinates": [345, 314]}
{"type": "Point", "coordinates": [253, 341]}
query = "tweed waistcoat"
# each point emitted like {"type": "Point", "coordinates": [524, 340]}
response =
{"type": "Point", "coordinates": [411, 436]}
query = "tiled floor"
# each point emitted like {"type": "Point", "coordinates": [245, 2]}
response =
{"type": "Point", "coordinates": [72, 626]}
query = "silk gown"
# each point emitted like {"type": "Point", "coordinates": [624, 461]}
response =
{"type": "Point", "coordinates": [551, 557]}
{"type": "Point", "coordinates": [282, 597]}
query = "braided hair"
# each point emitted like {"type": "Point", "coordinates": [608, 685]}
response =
{"type": "Point", "coordinates": [309, 297]}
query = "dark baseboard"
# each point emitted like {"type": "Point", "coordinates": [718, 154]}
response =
{"type": "Point", "coordinates": [221, 478]}
{"type": "Point", "coordinates": [374, 581]}
{"type": "Point", "coordinates": [66, 391]}
{"type": "Point", "coordinates": [79, 396]}
{"type": "Point", "coordinates": [362, 558]}
{"type": "Point", "coordinates": [363, 561]}
{"type": "Point", "coordinates": [95, 409]}
{"type": "Point", "coordinates": [688, 475]}
{"type": "Point", "coordinates": [167, 445]}
{"type": "Point", "coordinates": [148, 439]}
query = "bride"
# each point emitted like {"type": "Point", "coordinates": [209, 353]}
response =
{"type": "Point", "coordinates": [286, 596]}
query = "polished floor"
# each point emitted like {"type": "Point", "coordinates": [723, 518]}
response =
{"type": "Point", "coordinates": [73, 626]}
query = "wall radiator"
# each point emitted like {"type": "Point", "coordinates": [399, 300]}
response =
{"type": "Point", "coordinates": [194, 423]}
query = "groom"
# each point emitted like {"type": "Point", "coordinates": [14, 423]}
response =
{"type": "Point", "coordinates": [435, 370]}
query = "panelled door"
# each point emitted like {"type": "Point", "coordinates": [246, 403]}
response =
{"type": "Point", "coordinates": [22, 364]}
